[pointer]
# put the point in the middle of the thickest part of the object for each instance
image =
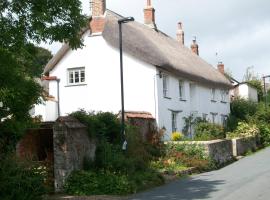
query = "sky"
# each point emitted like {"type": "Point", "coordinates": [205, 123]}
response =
{"type": "Point", "coordinates": [233, 32]}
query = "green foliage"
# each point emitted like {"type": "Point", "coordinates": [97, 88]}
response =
{"type": "Point", "coordinates": [265, 134]}
{"type": "Point", "coordinates": [244, 130]}
{"type": "Point", "coordinates": [100, 125]}
{"type": "Point", "coordinates": [23, 23]}
{"type": "Point", "coordinates": [19, 182]}
{"type": "Point", "coordinates": [98, 183]}
{"type": "Point", "coordinates": [114, 171]}
{"type": "Point", "coordinates": [190, 122]}
{"type": "Point", "coordinates": [257, 84]}
{"type": "Point", "coordinates": [208, 131]}
{"type": "Point", "coordinates": [241, 108]}
{"type": "Point", "coordinates": [179, 156]}
{"type": "Point", "coordinates": [53, 20]}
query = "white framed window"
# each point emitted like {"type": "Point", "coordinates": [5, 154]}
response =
{"type": "Point", "coordinates": [204, 116]}
{"type": "Point", "coordinates": [174, 121]}
{"type": "Point", "coordinates": [181, 87]}
{"type": "Point", "coordinates": [213, 94]}
{"type": "Point", "coordinates": [165, 85]}
{"type": "Point", "coordinates": [224, 120]}
{"type": "Point", "coordinates": [224, 94]}
{"type": "Point", "coordinates": [76, 76]}
{"type": "Point", "coordinates": [213, 115]}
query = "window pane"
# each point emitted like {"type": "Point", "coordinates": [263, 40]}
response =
{"type": "Point", "coordinates": [181, 90]}
{"type": "Point", "coordinates": [71, 78]}
{"type": "Point", "coordinates": [77, 77]}
{"type": "Point", "coordinates": [165, 86]}
{"type": "Point", "coordinates": [82, 76]}
{"type": "Point", "coordinates": [174, 122]}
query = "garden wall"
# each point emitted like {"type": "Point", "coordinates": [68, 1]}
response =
{"type": "Point", "coordinates": [219, 150]}
{"type": "Point", "coordinates": [241, 146]}
{"type": "Point", "coordinates": [71, 147]}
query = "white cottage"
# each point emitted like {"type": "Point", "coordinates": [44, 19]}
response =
{"type": "Point", "coordinates": [161, 75]}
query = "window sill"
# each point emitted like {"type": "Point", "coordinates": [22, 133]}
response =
{"type": "Point", "coordinates": [74, 85]}
{"type": "Point", "coordinates": [214, 101]}
{"type": "Point", "coordinates": [167, 98]}
{"type": "Point", "coordinates": [181, 99]}
{"type": "Point", "coordinates": [223, 102]}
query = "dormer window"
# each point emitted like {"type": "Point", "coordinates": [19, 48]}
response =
{"type": "Point", "coordinates": [76, 76]}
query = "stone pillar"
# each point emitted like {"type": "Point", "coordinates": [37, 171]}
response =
{"type": "Point", "coordinates": [71, 147]}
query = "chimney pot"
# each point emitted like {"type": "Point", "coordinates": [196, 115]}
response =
{"type": "Point", "coordinates": [149, 15]}
{"type": "Point", "coordinates": [180, 35]}
{"type": "Point", "coordinates": [195, 47]}
{"type": "Point", "coordinates": [220, 67]}
{"type": "Point", "coordinates": [98, 19]}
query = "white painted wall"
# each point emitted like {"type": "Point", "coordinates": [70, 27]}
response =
{"type": "Point", "coordinates": [197, 100]}
{"type": "Point", "coordinates": [247, 92]}
{"type": "Point", "coordinates": [143, 87]}
{"type": "Point", "coordinates": [102, 89]}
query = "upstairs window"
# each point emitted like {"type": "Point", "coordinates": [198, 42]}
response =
{"type": "Point", "coordinates": [224, 94]}
{"type": "Point", "coordinates": [165, 85]}
{"type": "Point", "coordinates": [181, 90]}
{"type": "Point", "coordinates": [213, 94]}
{"type": "Point", "coordinates": [76, 76]}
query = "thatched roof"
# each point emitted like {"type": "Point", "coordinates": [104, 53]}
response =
{"type": "Point", "coordinates": [158, 49]}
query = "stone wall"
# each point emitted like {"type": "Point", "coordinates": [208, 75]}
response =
{"type": "Point", "coordinates": [241, 146]}
{"type": "Point", "coordinates": [71, 147]}
{"type": "Point", "coordinates": [219, 150]}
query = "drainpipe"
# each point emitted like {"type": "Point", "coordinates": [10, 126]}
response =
{"type": "Point", "coordinates": [58, 97]}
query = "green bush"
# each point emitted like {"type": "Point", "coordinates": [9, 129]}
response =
{"type": "Point", "coordinates": [101, 125]}
{"type": "Point", "coordinates": [208, 131]}
{"type": "Point", "coordinates": [244, 130]}
{"type": "Point", "coordinates": [241, 108]}
{"type": "Point", "coordinates": [114, 171]}
{"type": "Point", "coordinates": [182, 155]}
{"type": "Point", "coordinates": [265, 134]}
{"type": "Point", "coordinates": [18, 181]}
{"type": "Point", "coordinates": [98, 183]}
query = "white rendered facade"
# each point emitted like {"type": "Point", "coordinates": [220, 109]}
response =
{"type": "Point", "coordinates": [143, 87]}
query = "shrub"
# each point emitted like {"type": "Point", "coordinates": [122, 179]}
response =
{"type": "Point", "coordinates": [100, 125]}
{"type": "Point", "coordinates": [177, 136]}
{"type": "Point", "coordinates": [208, 131]}
{"type": "Point", "coordinates": [98, 183]}
{"type": "Point", "coordinates": [244, 130]}
{"type": "Point", "coordinates": [19, 182]}
{"type": "Point", "coordinates": [241, 108]}
{"type": "Point", "coordinates": [182, 155]}
{"type": "Point", "coordinates": [265, 134]}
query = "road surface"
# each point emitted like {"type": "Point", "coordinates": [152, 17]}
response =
{"type": "Point", "coordinates": [246, 179]}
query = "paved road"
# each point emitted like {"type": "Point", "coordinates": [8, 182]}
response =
{"type": "Point", "coordinates": [247, 179]}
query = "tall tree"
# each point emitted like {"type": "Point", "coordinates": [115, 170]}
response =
{"type": "Point", "coordinates": [22, 23]}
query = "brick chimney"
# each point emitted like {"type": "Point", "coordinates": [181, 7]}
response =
{"type": "Point", "coordinates": [149, 15]}
{"type": "Point", "coordinates": [220, 67]}
{"type": "Point", "coordinates": [195, 47]}
{"type": "Point", "coordinates": [180, 35]}
{"type": "Point", "coordinates": [98, 18]}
